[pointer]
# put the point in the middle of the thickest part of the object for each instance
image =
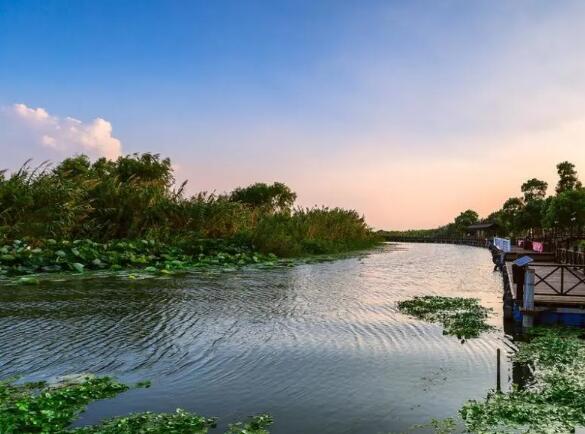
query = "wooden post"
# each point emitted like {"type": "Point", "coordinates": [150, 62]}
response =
{"type": "Point", "coordinates": [528, 314]}
{"type": "Point", "coordinates": [498, 383]}
{"type": "Point", "coordinates": [507, 298]}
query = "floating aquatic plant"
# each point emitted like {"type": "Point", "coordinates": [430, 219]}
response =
{"type": "Point", "coordinates": [461, 317]}
{"type": "Point", "coordinates": [50, 409]}
{"type": "Point", "coordinates": [22, 258]}
{"type": "Point", "coordinates": [554, 402]}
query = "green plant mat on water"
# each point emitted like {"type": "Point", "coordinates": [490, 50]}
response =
{"type": "Point", "coordinates": [26, 260]}
{"type": "Point", "coordinates": [49, 409]}
{"type": "Point", "coordinates": [553, 402]}
{"type": "Point", "coordinates": [461, 317]}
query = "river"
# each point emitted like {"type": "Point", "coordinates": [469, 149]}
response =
{"type": "Point", "coordinates": [319, 346]}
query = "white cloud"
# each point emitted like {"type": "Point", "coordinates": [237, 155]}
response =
{"type": "Point", "coordinates": [67, 135]}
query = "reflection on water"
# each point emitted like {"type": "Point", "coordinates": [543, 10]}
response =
{"type": "Point", "coordinates": [321, 346]}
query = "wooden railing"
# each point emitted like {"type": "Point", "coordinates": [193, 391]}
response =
{"type": "Point", "coordinates": [561, 279]}
{"type": "Point", "coordinates": [573, 257]}
{"type": "Point", "coordinates": [462, 241]}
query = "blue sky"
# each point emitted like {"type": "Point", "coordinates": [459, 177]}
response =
{"type": "Point", "coordinates": [408, 111]}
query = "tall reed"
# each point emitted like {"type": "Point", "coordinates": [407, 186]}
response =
{"type": "Point", "coordinates": [135, 197]}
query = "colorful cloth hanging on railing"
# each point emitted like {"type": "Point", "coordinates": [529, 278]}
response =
{"type": "Point", "coordinates": [537, 246]}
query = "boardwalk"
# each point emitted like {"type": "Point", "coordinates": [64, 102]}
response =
{"type": "Point", "coordinates": [556, 285]}
{"type": "Point", "coordinates": [538, 257]}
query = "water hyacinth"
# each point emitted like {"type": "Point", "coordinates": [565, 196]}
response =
{"type": "Point", "coordinates": [22, 258]}
{"type": "Point", "coordinates": [50, 409]}
{"type": "Point", "coordinates": [461, 317]}
{"type": "Point", "coordinates": [553, 402]}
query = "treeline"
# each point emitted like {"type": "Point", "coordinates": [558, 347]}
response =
{"type": "Point", "coordinates": [455, 229]}
{"type": "Point", "coordinates": [135, 197]}
{"type": "Point", "coordinates": [533, 213]}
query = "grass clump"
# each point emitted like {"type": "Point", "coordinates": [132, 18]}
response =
{"type": "Point", "coordinates": [461, 317]}
{"type": "Point", "coordinates": [42, 408]}
{"type": "Point", "coordinates": [554, 402]}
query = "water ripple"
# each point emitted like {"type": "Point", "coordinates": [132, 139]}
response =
{"type": "Point", "coordinates": [323, 339]}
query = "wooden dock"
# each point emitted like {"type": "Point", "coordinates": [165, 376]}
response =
{"type": "Point", "coordinates": [518, 252]}
{"type": "Point", "coordinates": [556, 285]}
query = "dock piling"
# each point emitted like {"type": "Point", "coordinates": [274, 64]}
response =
{"type": "Point", "coordinates": [498, 381]}
{"type": "Point", "coordinates": [528, 299]}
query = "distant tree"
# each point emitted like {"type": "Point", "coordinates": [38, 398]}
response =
{"type": "Point", "coordinates": [275, 197]}
{"type": "Point", "coordinates": [144, 168]}
{"type": "Point", "coordinates": [496, 217]}
{"type": "Point", "coordinates": [567, 177]}
{"type": "Point", "coordinates": [567, 210]}
{"type": "Point", "coordinates": [534, 189]}
{"type": "Point", "coordinates": [510, 212]}
{"type": "Point", "coordinates": [532, 215]}
{"type": "Point", "coordinates": [465, 219]}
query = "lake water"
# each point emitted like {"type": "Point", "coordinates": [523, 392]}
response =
{"type": "Point", "coordinates": [321, 347]}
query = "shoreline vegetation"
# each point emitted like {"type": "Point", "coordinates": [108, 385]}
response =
{"type": "Point", "coordinates": [129, 214]}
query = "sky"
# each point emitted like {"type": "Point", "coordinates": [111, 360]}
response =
{"type": "Point", "coordinates": [407, 111]}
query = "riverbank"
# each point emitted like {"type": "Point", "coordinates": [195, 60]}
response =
{"type": "Point", "coordinates": [135, 199]}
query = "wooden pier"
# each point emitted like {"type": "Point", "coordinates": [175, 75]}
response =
{"type": "Point", "coordinates": [556, 284]}
{"type": "Point", "coordinates": [434, 240]}
{"type": "Point", "coordinates": [518, 252]}
{"type": "Point", "coordinates": [557, 288]}
{"type": "Point", "coordinates": [554, 292]}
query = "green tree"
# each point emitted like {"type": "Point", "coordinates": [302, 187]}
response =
{"type": "Point", "coordinates": [532, 215]}
{"type": "Point", "coordinates": [275, 197]}
{"type": "Point", "coordinates": [568, 179]}
{"type": "Point", "coordinates": [567, 210]}
{"type": "Point", "coordinates": [511, 210]}
{"type": "Point", "coordinates": [534, 189]}
{"type": "Point", "coordinates": [495, 217]}
{"type": "Point", "coordinates": [465, 219]}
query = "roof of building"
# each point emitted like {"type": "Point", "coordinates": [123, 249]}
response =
{"type": "Point", "coordinates": [479, 226]}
